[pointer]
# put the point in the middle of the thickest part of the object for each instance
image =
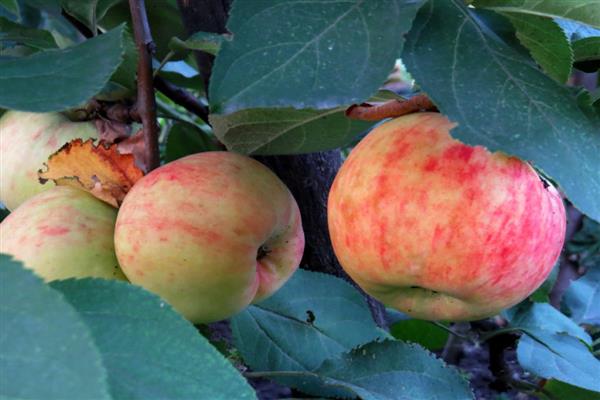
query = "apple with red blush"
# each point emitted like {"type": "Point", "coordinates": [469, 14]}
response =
{"type": "Point", "coordinates": [63, 233]}
{"type": "Point", "coordinates": [211, 233]}
{"type": "Point", "coordinates": [438, 229]}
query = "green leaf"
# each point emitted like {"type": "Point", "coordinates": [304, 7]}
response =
{"type": "Point", "coordinates": [501, 101]}
{"type": "Point", "coordinates": [202, 41]}
{"type": "Point", "coordinates": [180, 73]}
{"type": "Point", "coordinates": [547, 42]}
{"type": "Point", "coordinates": [285, 130]}
{"type": "Point", "coordinates": [586, 11]}
{"type": "Point", "coordinates": [46, 350]}
{"type": "Point", "coordinates": [88, 12]}
{"type": "Point", "coordinates": [35, 38]}
{"type": "Point", "coordinates": [393, 370]}
{"type": "Point", "coordinates": [554, 346]}
{"type": "Point", "coordinates": [425, 333]}
{"type": "Point", "coordinates": [60, 79]}
{"type": "Point", "coordinates": [586, 244]}
{"type": "Point", "coordinates": [284, 54]}
{"type": "Point", "coordinates": [163, 16]}
{"type": "Point", "coordinates": [123, 83]}
{"type": "Point", "coordinates": [3, 212]}
{"type": "Point", "coordinates": [539, 318]}
{"type": "Point", "coordinates": [312, 311]}
{"type": "Point", "coordinates": [501, 28]}
{"type": "Point", "coordinates": [563, 391]}
{"type": "Point", "coordinates": [587, 49]}
{"type": "Point", "coordinates": [583, 298]}
{"type": "Point", "coordinates": [185, 139]}
{"type": "Point", "coordinates": [47, 14]}
{"type": "Point", "coordinates": [11, 5]}
{"type": "Point", "coordinates": [148, 349]}
{"type": "Point", "coordinates": [48, 6]}
{"type": "Point", "coordinates": [587, 54]}
{"type": "Point", "coordinates": [563, 357]}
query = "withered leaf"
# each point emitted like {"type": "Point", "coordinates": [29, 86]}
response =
{"type": "Point", "coordinates": [99, 169]}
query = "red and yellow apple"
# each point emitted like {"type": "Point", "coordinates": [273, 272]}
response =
{"type": "Point", "coordinates": [210, 233]}
{"type": "Point", "coordinates": [63, 233]}
{"type": "Point", "coordinates": [26, 141]}
{"type": "Point", "coordinates": [438, 229]}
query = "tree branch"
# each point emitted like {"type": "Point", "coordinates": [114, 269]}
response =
{"type": "Point", "coordinates": [390, 109]}
{"type": "Point", "coordinates": [146, 103]}
{"type": "Point", "coordinates": [182, 97]}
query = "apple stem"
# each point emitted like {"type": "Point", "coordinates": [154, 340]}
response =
{"type": "Point", "coordinates": [452, 332]}
{"type": "Point", "coordinates": [146, 103]}
{"type": "Point", "coordinates": [390, 109]}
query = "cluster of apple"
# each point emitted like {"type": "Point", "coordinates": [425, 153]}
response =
{"type": "Point", "coordinates": [210, 233]}
{"type": "Point", "coordinates": [426, 224]}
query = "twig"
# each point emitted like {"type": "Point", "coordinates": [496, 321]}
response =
{"type": "Point", "coordinates": [146, 103]}
{"type": "Point", "coordinates": [453, 350]}
{"type": "Point", "coordinates": [268, 374]}
{"type": "Point", "coordinates": [164, 62]}
{"type": "Point", "coordinates": [484, 337]}
{"type": "Point", "coordinates": [182, 97]}
{"type": "Point", "coordinates": [390, 109]}
{"type": "Point", "coordinates": [567, 270]}
{"type": "Point", "coordinates": [452, 332]}
{"type": "Point", "coordinates": [499, 367]}
{"type": "Point", "coordinates": [81, 27]}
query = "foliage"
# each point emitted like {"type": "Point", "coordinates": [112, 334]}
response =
{"type": "Point", "coordinates": [281, 82]}
{"type": "Point", "coordinates": [100, 340]}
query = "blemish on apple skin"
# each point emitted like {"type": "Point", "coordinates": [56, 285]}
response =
{"type": "Point", "coordinates": [52, 142]}
{"type": "Point", "coordinates": [431, 165]}
{"type": "Point", "coordinates": [36, 135]}
{"type": "Point", "coordinates": [53, 230]}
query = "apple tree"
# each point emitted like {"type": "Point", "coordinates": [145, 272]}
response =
{"type": "Point", "coordinates": [166, 172]}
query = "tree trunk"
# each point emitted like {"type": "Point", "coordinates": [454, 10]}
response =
{"type": "Point", "coordinates": [309, 178]}
{"type": "Point", "coordinates": [205, 16]}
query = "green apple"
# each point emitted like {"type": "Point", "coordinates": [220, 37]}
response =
{"type": "Point", "coordinates": [26, 141]}
{"type": "Point", "coordinates": [63, 233]}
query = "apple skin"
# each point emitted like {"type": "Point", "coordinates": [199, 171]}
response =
{"type": "Point", "coordinates": [63, 233]}
{"type": "Point", "coordinates": [190, 231]}
{"type": "Point", "coordinates": [26, 141]}
{"type": "Point", "coordinates": [438, 229]}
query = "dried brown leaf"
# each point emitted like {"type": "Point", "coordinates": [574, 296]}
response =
{"type": "Point", "coordinates": [99, 169]}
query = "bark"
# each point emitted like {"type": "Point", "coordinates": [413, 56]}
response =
{"type": "Point", "coordinates": [145, 103]}
{"type": "Point", "coordinates": [309, 178]}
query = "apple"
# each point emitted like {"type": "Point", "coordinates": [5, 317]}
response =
{"type": "Point", "coordinates": [210, 233]}
{"type": "Point", "coordinates": [63, 233]}
{"type": "Point", "coordinates": [26, 141]}
{"type": "Point", "coordinates": [438, 229]}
